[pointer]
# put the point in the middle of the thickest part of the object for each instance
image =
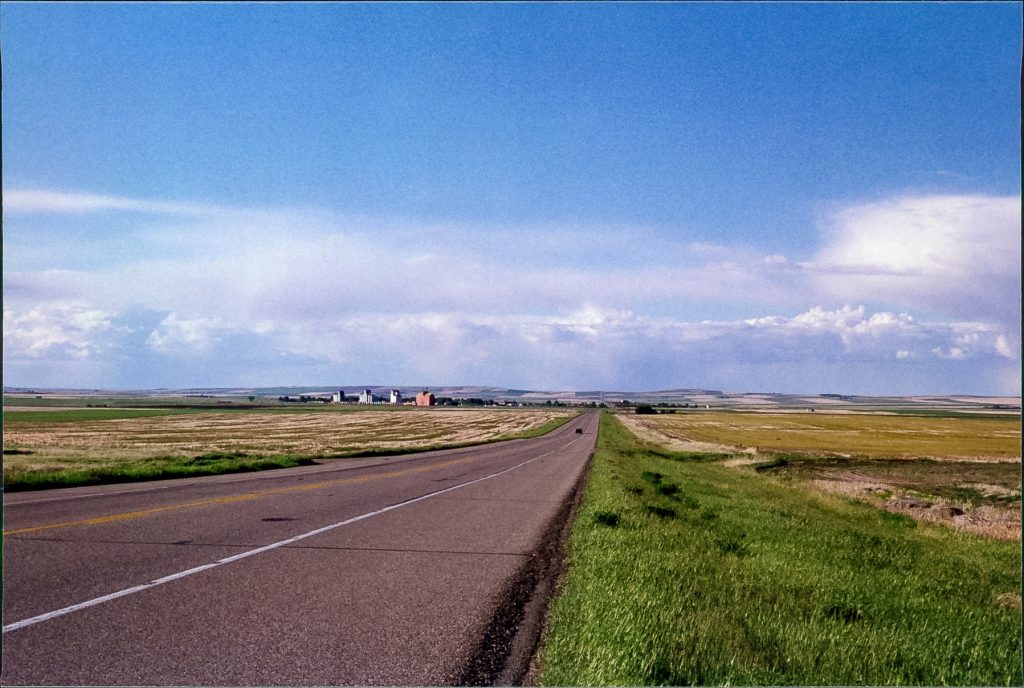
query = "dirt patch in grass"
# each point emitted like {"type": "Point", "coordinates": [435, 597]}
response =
{"type": "Point", "coordinates": [979, 498]}
{"type": "Point", "coordinates": [963, 473]}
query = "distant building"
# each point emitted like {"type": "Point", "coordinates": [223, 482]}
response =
{"type": "Point", "coordinates": [366, 397]}
{"type": "Point", "coordinates": [425, 398]}
{"type": "Point", "coordinates": [338, 397]}
{"type": "Point", "coordinates": [396, 396]}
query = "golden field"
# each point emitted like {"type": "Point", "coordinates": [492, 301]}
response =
{"type": "Point", "coordinates": [962, 472]}
{"type": "Point", "coordinates": [51, 446]}
{"type": "Point", "coordinates": [867, 434]}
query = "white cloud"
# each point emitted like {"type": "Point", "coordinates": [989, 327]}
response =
{"type": "Point", "coordinates": [178, 336]}
{"type": "Point", "coordinates": [47, 201]}
{"type": "Point", "coordinates": [955, 255]}
{"type": "Point", "coordinates": [954, 353]}
{"type": "Point", "coordinates": [395, 301]}
{"type": "Point", "coordinates": [60, 331]}
{"type": "Point", "coordinates": [1003, 347]}
{"type": "Point", "coordinates": [590, 347]}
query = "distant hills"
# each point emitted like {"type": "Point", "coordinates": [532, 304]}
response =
{"type": "Point", "coordinates": [699, 397]}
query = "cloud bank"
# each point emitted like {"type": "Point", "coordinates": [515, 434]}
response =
{"type": "Point", "coordinates": [915, 294]}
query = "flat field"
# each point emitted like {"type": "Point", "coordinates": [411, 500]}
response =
{"type": "Point", "coordinates": [684, 570]}
{"type": "Point", "coordinates": [961, 472]}
{"type": "Point", "coordinates": [869, 434]}
{"type": "Point", "coordinates": [94, 440]}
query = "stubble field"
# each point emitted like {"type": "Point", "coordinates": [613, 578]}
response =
{"type": "Point", "coordinates": [36, 447]}
{"type": "Point", "coordinates": [960, 472]}
{"type": "Point", "coordinates": [889, 435]}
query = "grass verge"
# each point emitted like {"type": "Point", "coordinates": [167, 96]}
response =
{"type": "Point", "coordinates": [690, 572]}
{"type": "Point", "coordinates": [158, 468]}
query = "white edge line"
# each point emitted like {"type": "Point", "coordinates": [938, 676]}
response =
{"type": "Point", "coordinates": [259, 550]}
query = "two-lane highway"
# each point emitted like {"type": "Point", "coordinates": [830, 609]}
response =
{"type": "Point", "coordinates": [372, 571]}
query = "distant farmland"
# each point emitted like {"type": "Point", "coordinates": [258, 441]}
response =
{"type": "Point", "coordinates": [105, 441]}
{"type": "Point", "coordinates": [959, 471]}
{"type": "Point", "coordinates": [843, 433]}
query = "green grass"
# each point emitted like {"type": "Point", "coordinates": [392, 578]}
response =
{"type": "Point", "coordinates": [131, 401]}
{"type": "Point", "coordinates": [740, 578]}
{"type": "Point", "coordinates": [85, 414]}
{"type": "Point", "coordinates": [76, 415]}
{"type": "Point", "coordinates": [214, 463]}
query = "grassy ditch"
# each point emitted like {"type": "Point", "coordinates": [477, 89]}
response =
{"type": "Point", "coordinates": [685, 571]}
{"type": "Point", "coordinates": [157, 468]}
{"type": "Point", "coordinates": [78, 415]}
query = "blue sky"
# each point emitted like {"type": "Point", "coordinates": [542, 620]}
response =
{"type": "Point", "coordinates": [788, 197]}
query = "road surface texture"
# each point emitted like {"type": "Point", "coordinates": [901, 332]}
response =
{"type": "Point", "coordinates": [414, 570]}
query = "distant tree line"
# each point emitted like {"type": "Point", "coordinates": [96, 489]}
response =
{"type": "Point", "coordinates": [303, 399]}
{"type": "Point", "coordinates": [647, 409]}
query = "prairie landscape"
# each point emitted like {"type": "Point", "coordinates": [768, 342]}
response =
{"type": "Point", "coordinates": [706, 564]}
{"type": "Point", "coordinates": [40, 445]}
{"type": "Point", "coordinates": [960, 471]}
{"type": "Point", "coordinates": [844, 433]}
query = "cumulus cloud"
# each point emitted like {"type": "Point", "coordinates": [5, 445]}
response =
{"type": "Point", "coordinates": [954, 255]}
{"type": "Point", "coordinates": [59, 331]}
{"type": "Point", "coordinates": [175, 335]}
{"type": "Point", "coordinates": [272, 291]}
{"type": "Point", "coordinates": [1003, 347]}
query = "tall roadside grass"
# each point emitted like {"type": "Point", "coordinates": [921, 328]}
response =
{"type": "Point", "coordinates": [685, 571]}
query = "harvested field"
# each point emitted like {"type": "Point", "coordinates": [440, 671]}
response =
{"type": "Point", "coordinates": [648, 429]}
{"type": "Point", "coordinates": [847, 434]}
{"type": "Point", "coordinates": [42, 446]}
{"type": "Point", "coordinates": [961, 472]}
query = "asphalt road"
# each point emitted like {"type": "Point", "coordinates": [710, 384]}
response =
{"type": "Point", "coordinates": [399, 570]}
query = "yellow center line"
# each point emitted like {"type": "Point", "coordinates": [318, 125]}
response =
{"type": "Point", "coordinates": [126, 516]}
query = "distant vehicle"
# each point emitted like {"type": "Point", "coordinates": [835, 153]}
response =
{"type": "Point", "coordinates": [579, 431]}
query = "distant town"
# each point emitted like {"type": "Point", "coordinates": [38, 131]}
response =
{"type": "Point", "coordinates": [396, 397]}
